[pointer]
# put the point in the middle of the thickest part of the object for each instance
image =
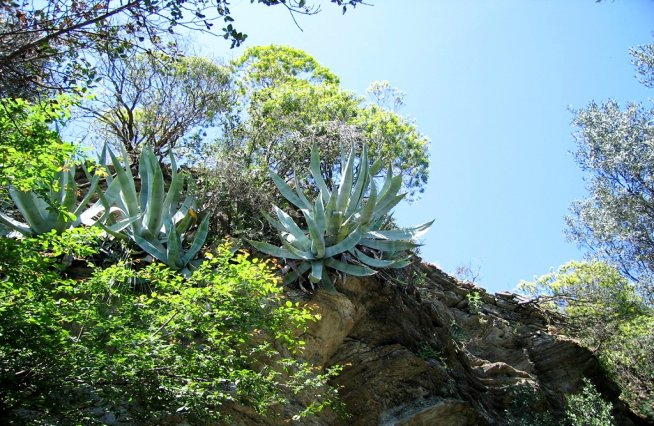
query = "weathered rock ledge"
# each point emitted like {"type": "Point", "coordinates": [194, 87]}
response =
{"type": "Point", "coordinates": [418, 354]}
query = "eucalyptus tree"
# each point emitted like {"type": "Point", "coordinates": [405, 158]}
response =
{"type": "Point", "coordinates": [615, 147]}
{"type": "Point", "coordinates": [159, 100]}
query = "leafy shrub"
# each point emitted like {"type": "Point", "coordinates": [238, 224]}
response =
{"type": "Point", "coordinates": [31, 152]}
{"type": "Point", "coordinates": [140, 345]}
{"type": "Point", "coordinates": [475, 304]}
{"type": "Point", "coordinates": [234, 196]}
{"type": "Point", "coordinates": [587, 408]}
{"type": "Point", "coordinates": [523, 410]}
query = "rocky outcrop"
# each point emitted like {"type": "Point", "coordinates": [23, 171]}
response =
{"type": "Point", "coordinates": [421, 348]}
{"type": "Point", "coordinates": [416, 351]}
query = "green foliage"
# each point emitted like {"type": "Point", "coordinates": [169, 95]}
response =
{"type": "Point", "coordinates": [346, 222]}
{"type": "Point", "coordinates": [427, 352]}
{"type": "Point", "coordinates": [31, 151]}
{"type": "Point", "coordinates": [160, 101]}
{"type": "Point", "coordinates": [266, 66]}
{"type": "Point", "coordinates": [155, 220]}
{"type": "Point", "coordinates": [587, 408]}
{"type": "Point", "coordinates": [606, 313]}
{"type": "Point", "coordinates": [523, 412]}
{"type": "Point", "coordinates": [397, 140]}
{"type": "Point", "coordinates": [145, 344]}
{"type": "Point", "coordinates": [46, 46]}
{"type": "Point", "coordinates": [456, 332]}
{"type": "Point", "coordinates": [289, 102]}
{"type": "Point", "coordinates": [55, 209]}
{"type": "Point", "coordinates": [475, 304]}
{"type": "Point", "coordinates": [616, 221]}
{"type": "Point", "coordinates": [594, 296]}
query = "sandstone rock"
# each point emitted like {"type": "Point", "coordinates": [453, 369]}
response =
{"type": "Point", "coordinates": [416, 355]}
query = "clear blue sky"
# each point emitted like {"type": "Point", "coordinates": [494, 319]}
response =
{"type": "Point", "coordinates": [491, 83]}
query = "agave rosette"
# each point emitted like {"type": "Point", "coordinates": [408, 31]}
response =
{"type": "Point", "coordinates": [344, 227]}
{"type": "Point", "coordinates": [55, 209]}
{"type": "Point", "coordinates": [156, 220]}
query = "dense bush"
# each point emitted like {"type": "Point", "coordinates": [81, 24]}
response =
{"type": "Point", "coordinates": [587, 408]}
{"type": "Point", "coordinates": [142, 344]}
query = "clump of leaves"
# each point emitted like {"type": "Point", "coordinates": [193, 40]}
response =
{"type": "Point", "coordinates": [475, 304]}
{"type": "Point", "coordinates": [31, 151]}
{"type": "Point", "coordinates": [587, 408]}
{"type": "Point", "coordinates": [345, 226]}
{"type": "Point", "coordinates": [145, 344]}
{"type": "Point", "coordinates": [524, 410]}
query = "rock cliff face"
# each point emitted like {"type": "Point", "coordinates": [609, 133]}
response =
{"type": "Point", "coordinates": [420, 353]}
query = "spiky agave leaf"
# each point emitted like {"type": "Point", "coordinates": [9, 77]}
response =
{"type": "Point", "coordinates": [56, 209]}
{"type": "Point", "coordinates": [339, 220]}
{"type": "Point", "coordinates": [153, 218]}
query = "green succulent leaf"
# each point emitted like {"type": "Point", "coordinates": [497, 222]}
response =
{"type": "Point", "coordinates": [345, 245]}
{"type": "Point", "coordinates": [290, 226]}
{"type": "Point", "coordinates": [297, 272]}
{"type": "Point", "coordinates": [388, 245]}
{"type": "Point", "coordinates": [371, 261]}
{"type": "Point", "coordinates": [348, 268]}
{"type": "Point", "coordinates": [288, 192]}
{"type": "Point", "coordinates": [316, 271]}
{"type": "Point", "coordinates": [304, 255]}
{"type": "Point", "coordinates": [198, 241]}
{"type": "Point", "coordinates": [316, 233]}
{"type": "Point", "coordinates": [401, 233]}
{"type": "Point", "coordinates": [369, 206]}
{"type": "Point", "coordinates": [272, 250]}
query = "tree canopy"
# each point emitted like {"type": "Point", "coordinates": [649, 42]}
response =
{"type": "Point", "coordinates": [159, 100]}
{"type": "Point", "coordinates": [615, 147]}
{"type": "Point", "coordinates": [289, 102]}
{"type": "Point", "coordinates": [45, 46]}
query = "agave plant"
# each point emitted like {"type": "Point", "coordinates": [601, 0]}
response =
{"type": "Point", "coordinates": [56, 208]}
{"type": "Point", "coordinates": [156, 221]}
{"type": "Point", "coordinates": [345, 225]}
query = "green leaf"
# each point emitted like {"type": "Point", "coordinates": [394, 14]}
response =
{"type": "Point", "coordinates": [198, 241]}
{"type": "Point", "coordinates": [345, 245]}
{"type": "Point", "coordinates": [356, 270]}
{"type": "Point", "coordinates": [362, 181]}
{"type": "Point", "coordinates": [304, 255]}
{"type": "Point", "coordinates": [288, 192]}
{"type": "Point", "coordinates": [388, 245]}
{"type": "Point", "coordinates": [152, 247]}
{"type": "Point", "coordinates": [290, 226]}
{"type": "Point", "coordinates": [402, 233]}
{"type": "Point", "coordinates": [316, 271]}
{"type": "Point", "coordinates": [371, 261]}
{"type": "Point", "coordinates": [294, 274]}
{"type": "Point", "coordinates": [173, 247]}
{"type": "Point", "coordinates": [31, 208]}
{"type": "Point", "coordinates": [175, 189]}
{"type": "Point", "coordinates": [317, 235]}
{"type": "Point", "coordinates": [382, 210]}
{"type": "Point", "coordinates": [369, 207]}
{"type": "Point", "coordinates": [272, 250]}
{"type": "Point", "coordinates": [155, 214]}
{"type": "Point", "coordinates": [345, 187]}
{"type": "Point", "coordinates": [127, 188]}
